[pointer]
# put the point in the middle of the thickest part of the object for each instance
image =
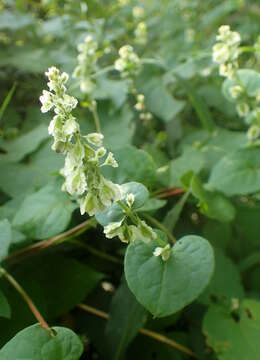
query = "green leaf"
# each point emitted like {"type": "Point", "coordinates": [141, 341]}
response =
{"type": "Point", "coordinates": [225, 282]}
{"type": "Point", "coordinates": [191, 160]}
{"type": "Point", "coordinates": [135, 165]}
{"type": "Point", "coordinates": [173, 215]}
{"type": "Point", "coordinates": [5, 309]}
{"type": "Point", "coordinates": [174, 283]}
{"type": "Point", "coordinates": [153, 204]}
{"type": "Point", "coordinates": [39, 169]}
{"type": "Point", "coordinates": [199, 105]}
{"type": "Point", "coordinates": [126, 317]}
{"type": "Point", "coordinates": [160, 101]}
{"type": "Point", "coordinates": [232, 338]}
{"type": "Point", "coordinates": [35, 343]}
{"type": "Point", "coordinates": [115, 213]}
{"type": "Point", "coordinates": [116, 90]}
{"type": "Point", "coordinates": [213, 205]}
{"type": "Point", "coordinates": [45, 213]}
{"type": "Point", "coordinates": [5, 238]}
{"type": "Point", "coordinates": [237, 173]}
{"type": "Point", "coordinates": [25, 144]}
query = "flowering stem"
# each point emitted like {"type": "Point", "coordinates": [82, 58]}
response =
{"type": "Point", "coordinates": [160, 226]}
{"type": "Point", "coordinates": [93, 109]}
{"type": "Point", "coordinates": [136, 220]}
{"type": "Point", "coordinates": [27, 299]}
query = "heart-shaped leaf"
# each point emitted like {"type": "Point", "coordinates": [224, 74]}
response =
{"type": "Point", "coordinates": [35, 343]}
{"type": "Point", "coordinates": [165, 287]}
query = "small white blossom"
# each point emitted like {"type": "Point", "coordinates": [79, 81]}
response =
{"type": "Point", "coordinates": [164, 252]}
{"type": "Point", "coordinates": [95, 139]}
{"type": "Point", "coordinates": [130, 198]}
{"type": "Point", "coordinates": [253, 133]}
{"type": "Point", "coordinates": [110, 160]}
{"type": "Point", "coordinates": [112, 229]}
{"type": "Point", "coordinates": [75, 183]}
{"type": "Point", "coordinates": [128, 63]}
{"type": "Point", "coordinates": [46, 100]}
{"type": "Point", "coordinates": [221, 53]}
{"type": "Point", "coordinates": [242, 109]}
{"type": "Point", "coordinates": [236, 91]}
{"type": "Point", "coordinates": [138, 12]}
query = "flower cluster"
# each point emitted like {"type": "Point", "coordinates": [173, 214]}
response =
{"type": "Point", "coordinates": [128, 64]}
{"type": "Point", "coordinates": [140, 107]}
{"type": "Point", "coordinates": [87, 60]}
{"type": "Point", "coordinates": [84, 154]}
{"type": "Point", "coordinates": [141, 33]}
{"type": "Point", "coordinates": [138, 12]}
{"type": "Point", "coordinates": [137, 229]}
{"type": "Point", "coordinates": [226, 51]}
{"type": "Point", "coordinates": [63, 125]}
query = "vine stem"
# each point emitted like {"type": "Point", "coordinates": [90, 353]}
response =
{"type": "Point", "coordinates": [135, 219]}
{"type": "Point", "coordinates": [56, 240]}
{"type": "Point", "coordinates": [27, 299]}
{"type": "Point", "coordinates": [146, 332]}
{"type": "Point", "coordinates": [157, 223]}
{"type": "Point", "coordinates": [93, 109]}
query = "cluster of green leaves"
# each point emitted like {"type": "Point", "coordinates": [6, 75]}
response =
{"type": "Point", "coordinates": [192, 156]}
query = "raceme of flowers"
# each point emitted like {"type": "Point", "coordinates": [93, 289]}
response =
{"type": "Point", "coordinates": [87, 60]}
{"type": "Point", "coordinates": [226, 53]}
{"type": "Point", "coordinates": [84, 156]}
{"type": "Point", "coordinates": [128, 63]}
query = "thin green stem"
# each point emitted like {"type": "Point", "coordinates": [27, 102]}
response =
{"type": "Point", "coordinates": [160, 226]}
{"type": "Point", "coordinates": [7, 101]}
{"type": "Point", "coordinates": [27, 299]}
{"type": "Point", "coordinates": [93, 109]}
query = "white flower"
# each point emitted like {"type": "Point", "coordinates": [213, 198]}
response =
{"type": "Point", "coordinates": [142, 232]}
{"type": "Point", "coordinates": [236, 91]}
{"type": "Point", "coordinates": [46, 100]}
{"type": "Point", "coordinates": [242, 109]}
{"type": "Point", "coordinates": [71, 126]}
{"type": "Point", "coordinates": [130, 198]}
{"type": "Point", "coordinates": [221, 53]}
{"type": "Point", "coordinates": [120, 65]}
{"type": "Point", "coordinates": [101, 152]}
{"type": "Point", "coordinates": [109, 192]}
{"type": "Point", "coordinates": [95, 139]}
{"type": "Point", "coordinates": [110, 160]}
{"type": "Point", "coordinates": [112, 229]}
{"type": "Point", "coordinates": [226, 70]}
{"type": "Point", "coordinates": [164, 252]}
{"type": "Point", "coordinates": [138, 12]}
{"type": "Point", "coordinates": [76, 183]}
{"type": "Point", "coordinates": [253, 133]}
